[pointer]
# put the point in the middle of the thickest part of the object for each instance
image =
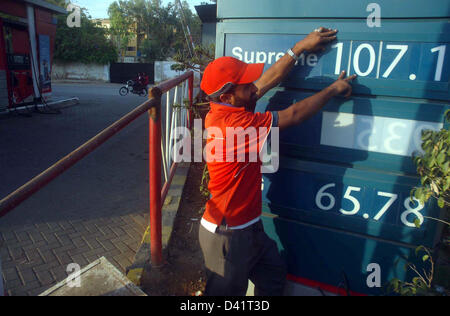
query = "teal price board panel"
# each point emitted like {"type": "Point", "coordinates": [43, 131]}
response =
{"type": "Point", "coordinates": [413, 69]}
{"type": "Point", "coordinates": [340, 200]}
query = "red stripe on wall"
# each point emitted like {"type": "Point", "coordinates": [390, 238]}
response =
{"type": "Point", "coordinates": [323, 286]}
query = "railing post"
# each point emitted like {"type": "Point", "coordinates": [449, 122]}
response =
{"type": "Point", "coordinates": [191, 100]}
{"type": "Point", "coordinates": [155, 178]}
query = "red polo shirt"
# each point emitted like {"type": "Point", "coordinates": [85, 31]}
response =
{"type": "Point", "coordinates": [235, 184]}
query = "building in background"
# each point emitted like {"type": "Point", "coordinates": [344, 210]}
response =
{"type": "Point", "coordinates": [128, 54]}
{"type": "Point", "coordinates": [27, 37]}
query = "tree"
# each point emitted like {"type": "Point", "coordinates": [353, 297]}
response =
{"type": "Point", "coordinates": [87, 43]}
{"type": "Point", "coordinates": [158, 28]}
{"type": "Point", "coordinates": [121, 26]}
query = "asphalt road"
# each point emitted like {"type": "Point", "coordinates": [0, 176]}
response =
{"type": "Point", "coordinates": [32, 144]}
{"type": "Point", "coordinates": [97, 208]}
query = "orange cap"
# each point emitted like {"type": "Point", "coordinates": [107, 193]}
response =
{"type": "Point", "coordinates": [228, 70]}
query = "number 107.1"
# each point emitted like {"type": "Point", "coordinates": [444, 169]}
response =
{"type": "Point", "coordinates": [402, 50]}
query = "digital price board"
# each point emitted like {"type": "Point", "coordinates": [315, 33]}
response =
{"type": "Point", "coordinates": [340, 200]}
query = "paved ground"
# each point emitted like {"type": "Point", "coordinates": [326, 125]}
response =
{"type": "Point", "coordinates": [97, 208]}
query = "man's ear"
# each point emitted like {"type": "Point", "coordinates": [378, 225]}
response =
{"type": "Point", "coordinates": [226, 98]}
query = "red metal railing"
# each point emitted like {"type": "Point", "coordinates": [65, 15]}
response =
{"type": "Point", "coordinates": [153, 107]}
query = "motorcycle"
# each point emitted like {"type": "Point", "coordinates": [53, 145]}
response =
{"type": "Point", "coordinates": [132, 87]}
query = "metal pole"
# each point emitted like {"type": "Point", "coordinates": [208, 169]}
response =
{"type": "Point", "coordinates": [34, 64]}
{"type": "Point", "coordinates": [191, 99]}
{"type": "Point", "coordinates": [166, 176]}
{"type": "Point", "coordinates": [155, 178]}
{"type": "Point", "coordinates": [172, 140]}
{"type": "Point", "coordinates": [183, 91]}
{"type": "Point", "coordinates": [167, 130]}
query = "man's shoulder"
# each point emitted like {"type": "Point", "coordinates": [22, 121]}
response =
{"type": "Point", "coordinates": [236, 119]}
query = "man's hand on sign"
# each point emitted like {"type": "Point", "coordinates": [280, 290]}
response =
{"type": "Point", "coordinates": [342, 86]}
{"type": "Point", "coordinates": [304, 109]}
{"type": "Point", "coordinates": [317, 40]}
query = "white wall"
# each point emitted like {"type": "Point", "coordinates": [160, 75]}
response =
{"type": "Point", "coordinates": [80, 71]}
{"type": "Point", "coordinates": [163, 73]}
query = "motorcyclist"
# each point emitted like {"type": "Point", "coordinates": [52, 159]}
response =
{"type": "Point", "coordinates": [139, 82]}
{"type": "Point", "coordinates": [146, 80]}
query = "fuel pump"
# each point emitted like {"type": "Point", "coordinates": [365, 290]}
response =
{"type": "Point", "coordinates": [19, 67]}
{"type": "Point", "coordinates": [18, 64]}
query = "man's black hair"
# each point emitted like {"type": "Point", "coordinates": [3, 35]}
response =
{"type": "Point", "coordinates": [228, 88]}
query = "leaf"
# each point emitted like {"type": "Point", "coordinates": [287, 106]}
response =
{"type": "Point", "coordinates": [417, 222]}
{"type": "Point", "coordinates": [425, 258]}
{"type": "Point", "coordinates": [447, 115]}
{"type": "Point", "coordinates": [431, 162]}
{"type": "Point", "coordinates": [418, 192]}
{"type": "Point", "coordinates": [425, 135]}
{"type": "Point", "coordinates": [445, 166]}
{"type": "Point", "coordinates": [419, 249]}
{"type": "Point", "coordinates": [447, 184]}
{"type": "Point", "coordinates": [434, 187]}
{"type": "Point", "coordinates": [441, 157]}
{"type": "Point", "coordinates": [395, 284]}
{"type": "Point", "coordinates": [441, 202]}
{"type": "Point", "coordinates": [415, 280]}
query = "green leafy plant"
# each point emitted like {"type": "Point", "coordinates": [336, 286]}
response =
{"type": "Point", "coordinates": [433, 167]}
{"type": "Point", "coordinates": [421, 283]}
{"type": "Point", "coordinates": [198, 61]}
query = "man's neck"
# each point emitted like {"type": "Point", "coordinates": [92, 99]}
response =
{"type": "Point", "coordinates": [233, 106]}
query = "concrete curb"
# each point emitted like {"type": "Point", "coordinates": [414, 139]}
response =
{"type": "Point", "coordinates": [169, 211]}
{"type": "Point", "coordinates": [79, 81]}
{"type": "Point", "coordinates": [59, 104]}
{"type": "Point", "coordinates": [100, 278]}
{"type": "Point", "coordinates": [62, 104]}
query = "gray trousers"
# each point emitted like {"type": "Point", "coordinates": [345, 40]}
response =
{"type": "Point", "coordinates": [232, 257]}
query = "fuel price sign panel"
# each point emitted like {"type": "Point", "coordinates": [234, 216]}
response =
{"type": "Point", "coordinates": [418, 69]}
{"type": "Point", "coordinates": [340, 200]}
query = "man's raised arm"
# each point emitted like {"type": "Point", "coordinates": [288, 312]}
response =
{"type": "Point", "coordinates": [304, 109]}
{"type": "Point", "coordinates": [314, 42]}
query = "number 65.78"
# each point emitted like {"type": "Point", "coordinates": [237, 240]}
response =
{"type": "Point", "coordinates": [326, 201]}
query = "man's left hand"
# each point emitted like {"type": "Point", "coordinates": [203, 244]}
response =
{"type": "Point", "coordinates": [317, 40]}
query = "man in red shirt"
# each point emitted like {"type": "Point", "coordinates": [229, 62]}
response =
{"type": "Point", "coordinates": [231, 235]}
